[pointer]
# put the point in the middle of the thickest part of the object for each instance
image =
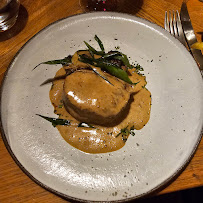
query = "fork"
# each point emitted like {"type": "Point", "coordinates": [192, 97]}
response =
{"type": "Point", "coordinates": [173, 25]}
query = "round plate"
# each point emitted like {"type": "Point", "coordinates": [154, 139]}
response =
{"type": "Point", "coordinates": [151, 158]}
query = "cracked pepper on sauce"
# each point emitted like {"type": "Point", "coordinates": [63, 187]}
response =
{"type": "Point", "coordinates": [112, 109]}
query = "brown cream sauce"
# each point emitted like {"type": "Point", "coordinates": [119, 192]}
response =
{"type": "Point", "coordinates": [101, 139]}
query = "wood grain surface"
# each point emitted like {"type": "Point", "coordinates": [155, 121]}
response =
{"type": "Point", "coordinates": [15, 186]}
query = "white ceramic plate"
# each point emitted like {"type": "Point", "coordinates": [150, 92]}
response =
{"type": "Point", "coordinates": [150, 159]}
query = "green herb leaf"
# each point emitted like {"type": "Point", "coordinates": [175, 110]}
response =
{"type": "Point", "coordinates": [85, 59]}
{"type": "Point", "coordinates": [124, 59]}
{"type": "Point", "coordinates": [108, 66]}
{"type": "Point", "coordinates": [55, 121]}
{"type": "Point", "coordinates": [93, 50]}
{"type": "Point", "coordinates": [100, 43]}
{"type": "Point", "coordinates": [66, 61]}
{"type": "Point", "coordinates": [115, 71]}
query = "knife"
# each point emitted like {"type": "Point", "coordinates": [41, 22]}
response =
{"type": "Point", "coordinates": [190, 36]}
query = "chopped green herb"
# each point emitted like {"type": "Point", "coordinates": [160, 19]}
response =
{"type": "Point", "coordinates": [139, 68]}
{"type": "Point", "coordinates": [132, 131]}
{"type": "Point", "coordinates": [132, 128]}
{"type": "Point", "coordinates": [60, 105]}
{"type": "Point", "coordinates": [144, 86]}
{"type": "Point", "coordinates": [125, 132]}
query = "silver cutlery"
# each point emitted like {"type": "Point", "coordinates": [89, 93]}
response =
{"type": "Point", "coordinates": [190, 35]}
{"type": "Point", "coordinates": [173, 25]}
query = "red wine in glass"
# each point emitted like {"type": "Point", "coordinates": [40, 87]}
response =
{"type": "Point", "coordinates": [101, 5]}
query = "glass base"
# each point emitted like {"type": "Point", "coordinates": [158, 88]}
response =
{"type": "Point", "coordinates": [8, 24]}
{"type": "Point", "coordinates": [8, 14]}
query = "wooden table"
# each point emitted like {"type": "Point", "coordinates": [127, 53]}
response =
{"type": "Point", "coordinates": [15, 186]}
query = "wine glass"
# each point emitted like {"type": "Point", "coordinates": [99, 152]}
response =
{"type": "Point", "coordinates": [8, 13]}
{"type": "Point", "coordinates": [101, 5]}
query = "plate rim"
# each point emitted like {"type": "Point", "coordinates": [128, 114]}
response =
{"type": "Point", "coordinates": [154, 190]}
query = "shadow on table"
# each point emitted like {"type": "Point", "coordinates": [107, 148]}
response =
{"type": "Point", "coordinates": [201, 33]}
{"type": "Point", "coordinates": [18, 27]}
{"type": "Point", "coordinates": [185, 196]}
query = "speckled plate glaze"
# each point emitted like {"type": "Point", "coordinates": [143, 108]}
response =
{"type": "Point", "coordinates": [151, 158]}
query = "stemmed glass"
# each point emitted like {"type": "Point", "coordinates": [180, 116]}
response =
{"type": "Point", "coordinates": [101, 5]}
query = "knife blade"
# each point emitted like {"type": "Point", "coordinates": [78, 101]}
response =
{"type": "Point", "coordinates": [190, 36]}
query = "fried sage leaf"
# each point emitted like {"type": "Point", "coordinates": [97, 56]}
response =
{"type": "Point", "coordinates": [93, 50]}
{"type": "Point", "coordinates": [115, 71]}
{"type": "Point", "coordinates": [124, 59]}
{"type": "Point", "coordinates": [55, 121]}
{"type": "Point", "coordinates": [100, 43]}
{"type": "Point", "coordinates": [108, 66]}
{"type": "Point", "coordinates": [65, 62]}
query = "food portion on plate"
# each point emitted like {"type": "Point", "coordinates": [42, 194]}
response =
{"type": "Point", "coordinates": [100, 99]}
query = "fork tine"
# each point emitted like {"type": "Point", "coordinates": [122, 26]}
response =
{"type": "Point", "coordinates": [179, 26]}
{"type": "Point", "coordinates": [175, 26]}
{"type": "Point", "coordinates": [166, 23]}
{"type": "Point", "coordinates": [171, 23]}
{"type": "Point", "coordinates": [181, 35]}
